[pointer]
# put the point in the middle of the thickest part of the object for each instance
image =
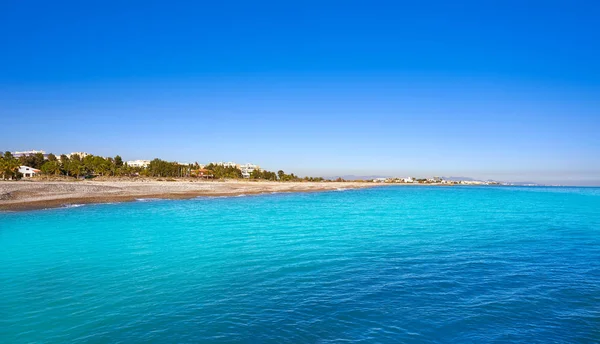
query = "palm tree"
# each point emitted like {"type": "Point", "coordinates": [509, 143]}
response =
{"type": "Point", "coordinates": [3, 167]}
{"type": "Point", "coordinates": [9, 168]}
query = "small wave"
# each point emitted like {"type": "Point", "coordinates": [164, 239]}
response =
{"type": "Point", "coordinates": [147, 199]}
{"type": "Point", "coordinates": [73, 205]}
{"type": "Point", "coordinates": [341, 189]}
{"type": "Point", "coordinates": [209, 197]}
{"type": "Point", "coordinates": [241, 195]}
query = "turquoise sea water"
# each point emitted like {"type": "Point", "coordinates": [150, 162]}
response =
{"type": "Point", "coordinates": [390, 264]}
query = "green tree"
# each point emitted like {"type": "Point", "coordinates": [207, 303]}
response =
{"type": "Point", "coordinates": [118, 161]}
{"type": "Point", "coordinates": [256, 174]}
{"type": "Point", "coordinates": [9, 167]}
{"type": "Point", "coordinates": [222, 172]}
{"type": "Point", "coordinates": [32, 160]}
{"type": "Point", "coordinates": [64, 164]}
{"type": "Point", "coordinates": [51, 167]}
{"type": "Point", "coordinates": [76, 168]}
{"type": "Point", "coordinates": [161, 168]}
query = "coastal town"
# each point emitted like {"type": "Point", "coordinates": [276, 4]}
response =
{"type": "Point", "coordinates": [83, 165]}
{"type": "Point", "coordinates": [434, 181]}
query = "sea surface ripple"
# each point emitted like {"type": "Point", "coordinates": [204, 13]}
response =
{"type": "Point", "coordinates": [382, 265]}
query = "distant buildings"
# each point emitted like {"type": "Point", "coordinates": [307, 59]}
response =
{"type": "Point", "coordinates": [247, 169]}
{"type": "Point", "coordinates": [138, 163]}
{"type": "Point", "coordinates": [28, 172]}
{"type": "Point", "coordinates": [30, 152]}
{"type": "Point", "coordinates": [433, 180]}
{"type": "Point", "coordinates": [226, 164]}
{"type": "Point", "coordinates": [80, 154]}
{"type": "Point", "coordinates": [477, 182]}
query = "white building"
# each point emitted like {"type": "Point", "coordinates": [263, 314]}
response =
{"type": "Point", "coordinates": [29, 152]}
{"type": "Point", "coordinates": [226, 164]}
{"type": "Point", "coordinates": [138, 163]}
{"type": "Point", "coordinates": [28, 172]}
{"type": "Point", "coordinates": [247, 169]}
{"type": "Point", "coordinates": [379, 180]}
{"type": "Point", "coordinates": [81, 154]}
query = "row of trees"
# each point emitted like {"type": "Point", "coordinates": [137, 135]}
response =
{"type": "Point", "coordinates": [263, 174]}
{"type": "Point", "coordinates": [34, 160]}
{"type": "Point", "coordinates": [161, 168]}
{"type": "Point", "coordinates": [77, 166]}
{"type": "Point", "coordinates": [224, 172]}
{"type": "Point", "coordinates": [92, 165]}
{"type": "Point", "coordinates": [282, 176]}
{"type": "Point", "coordinates": [74, 166]}
{"type": "Point", "coordinates": [232, 172]}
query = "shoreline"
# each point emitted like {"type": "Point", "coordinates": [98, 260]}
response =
{"type": "Point", "coordinates": [71, 201]}
{"type": "Point", "coordinates": [36, 195]}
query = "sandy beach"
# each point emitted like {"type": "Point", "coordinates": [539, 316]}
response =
{"type": "Point", "coordinates": [29, 195]}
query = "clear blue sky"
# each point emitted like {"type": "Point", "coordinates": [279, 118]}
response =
{"type": "Point", "coordinates": [489, 89]}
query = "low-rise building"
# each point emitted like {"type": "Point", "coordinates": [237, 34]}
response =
{"type": "Point", "coordinates": [471, 182]}
{"type": "Point", "coordinates": [226, 164]}
{"type": "Point", "coordinates": [29, 152]}
{"type": "Point", "coordinates": [247, 169]}
{"type": "Point", "coordinates": [80, 154]}
{"type": "Point", "coordinates": [138, 163]}
{"type": "Point", "coordinates": [28, 172]}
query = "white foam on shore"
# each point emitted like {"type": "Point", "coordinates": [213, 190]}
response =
{"type": "Point", "coordinates": [147, 199]}
{"type": "Point", "coordinates": [73, 205]}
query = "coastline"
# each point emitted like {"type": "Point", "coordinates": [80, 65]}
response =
{"type": "Point", "coordinates": [39, 194]}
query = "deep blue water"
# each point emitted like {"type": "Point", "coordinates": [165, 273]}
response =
{"type": "Point", "coordinates": [391, 264]}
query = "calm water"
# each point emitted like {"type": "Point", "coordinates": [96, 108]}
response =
{"type": "Point", "coordinates": [393, 264]}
